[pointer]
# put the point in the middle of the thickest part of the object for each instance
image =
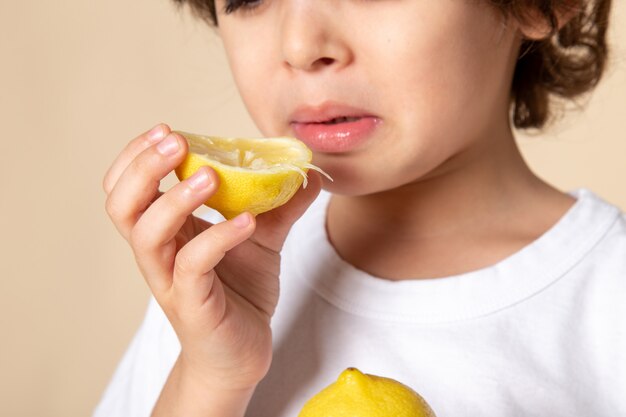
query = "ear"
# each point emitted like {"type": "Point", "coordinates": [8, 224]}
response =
{"type": "Point", "coordinates": [535, 27]}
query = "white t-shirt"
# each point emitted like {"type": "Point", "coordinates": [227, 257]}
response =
{"type": "Point", "coordinates": [540, 333]}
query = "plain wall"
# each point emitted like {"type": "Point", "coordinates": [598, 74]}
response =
{"type": "Point", "coordinates": [78, 80]}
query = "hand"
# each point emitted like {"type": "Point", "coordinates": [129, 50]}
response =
{"type": "Point", "coordinates": [217, 284]}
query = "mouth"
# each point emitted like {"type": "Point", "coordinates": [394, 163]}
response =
{"type": "Point", "coordinates": [338, 120]}
{"type": "Point", "coordinates": [328, 113]}
{"type": "Point", "coordinates": [337, 135]}
{"type": "Point", "coordinates": [334, 128]}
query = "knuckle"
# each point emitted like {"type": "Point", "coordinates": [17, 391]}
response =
{"type": "Point", "coordinates": [143, 163]}
{"type": "Point", "coordinates": [144, 142]}
{"type": "Point", "coordinates": [184, 264]}
{"type": "Point", "coordinates": [114, 208]}
{"type": "Point", "coordinates": [141, 240]}
{"type": "Point", "coordinates": [219, 241]}
{"type": "Point", "coordinates": [106, 184]}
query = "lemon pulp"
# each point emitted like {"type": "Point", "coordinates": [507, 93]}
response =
{"type": "Point", "coordinates": [256, 174]}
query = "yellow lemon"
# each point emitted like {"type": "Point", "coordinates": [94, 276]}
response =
{"type": "Point", "coordinates": [355, 394]}
{"type": "Point", "coordinates": [256, 175]}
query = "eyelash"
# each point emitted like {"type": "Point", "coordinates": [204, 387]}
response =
{"type": "Point", "coordinates": [245, 5]}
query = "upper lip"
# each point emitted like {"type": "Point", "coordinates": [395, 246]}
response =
{"type": "Point", "coordinates": [326, 111]}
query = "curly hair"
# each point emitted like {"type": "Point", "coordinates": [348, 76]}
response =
{"type": "Point", "coordinates": [566, 63]}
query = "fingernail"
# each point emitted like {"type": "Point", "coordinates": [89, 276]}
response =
{"type": "Point", "coordinates": [168, 146]}
{"type": "Point", "coordinates": [241, 220]}
{"type": "Point", "coordinates": [156, 133]}
{"type": "Point", "coordinates": [199, 180]}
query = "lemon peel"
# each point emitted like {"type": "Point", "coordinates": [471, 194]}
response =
{"type": "Point", "coordinates": [256, 174]}
{"type": "Point", "coordinates": [356, 394]}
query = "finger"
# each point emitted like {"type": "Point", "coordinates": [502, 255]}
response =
{"type": "Point", "coordinates": [130, 152]}
{"type": "Point", "coordinates": [194, 278]}
{"type": "Point", "coordinates": [153, 236]}
{"type": "Point", "coordinates": [139, 183]}
{"type": "Point", "coordinates": [273, 226]}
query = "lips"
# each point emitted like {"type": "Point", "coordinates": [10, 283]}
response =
{"type": "Point", "coordinates": [326, 112]}
{"type": "Point", "coordinates": [333, 127]}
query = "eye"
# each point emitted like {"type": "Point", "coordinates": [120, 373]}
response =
{"type": "Point", "coordinates": [245, 5]}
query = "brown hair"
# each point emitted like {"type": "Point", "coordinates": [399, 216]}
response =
{"type": "Point", "coordinates": [567, 63]}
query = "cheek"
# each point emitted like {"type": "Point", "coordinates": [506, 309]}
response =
{"type": "Point", "coordinates": [439, 97]}
{"type": "Point", "coordinates": [448, 73]}
{"type": "Point", "coordinates": [254, 80]}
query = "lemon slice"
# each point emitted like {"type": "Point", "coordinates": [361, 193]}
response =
{"type": "Point", "coordinates": [256, 175]}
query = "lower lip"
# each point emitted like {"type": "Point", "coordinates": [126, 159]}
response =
{"type": "Point", "coordinates": [333, 138]}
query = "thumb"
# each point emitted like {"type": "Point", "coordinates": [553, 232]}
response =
{"type": "Point", "coordinates": [273, 226]}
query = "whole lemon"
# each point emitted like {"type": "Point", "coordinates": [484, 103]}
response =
{"type": "Point", "coordinates": [256, 174]}
{"type": "Point", "coordinates": [355, 394]}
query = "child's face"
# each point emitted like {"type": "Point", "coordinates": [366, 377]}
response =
{"type": "Point", "coordinates": [436, 74]}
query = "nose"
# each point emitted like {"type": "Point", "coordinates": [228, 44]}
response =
{"type": "Point", "coordinates": [310, 37]}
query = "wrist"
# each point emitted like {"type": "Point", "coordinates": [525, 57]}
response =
{"type": "Point", "coordinates": [190, 394]}
{"type": "Point", "coordinates": [231, 378]}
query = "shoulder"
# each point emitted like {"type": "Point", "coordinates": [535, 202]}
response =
{"type": "Point", "coordinates": [610, 251]}
{"type": "Point", "coordinates": [599, 278]}
{"type": "Point", "coordinates": [617, 233]}
{"type": "Point", "coordinates": [604, 266]}
{"type": "Point", "coordinates": [603, 225]}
